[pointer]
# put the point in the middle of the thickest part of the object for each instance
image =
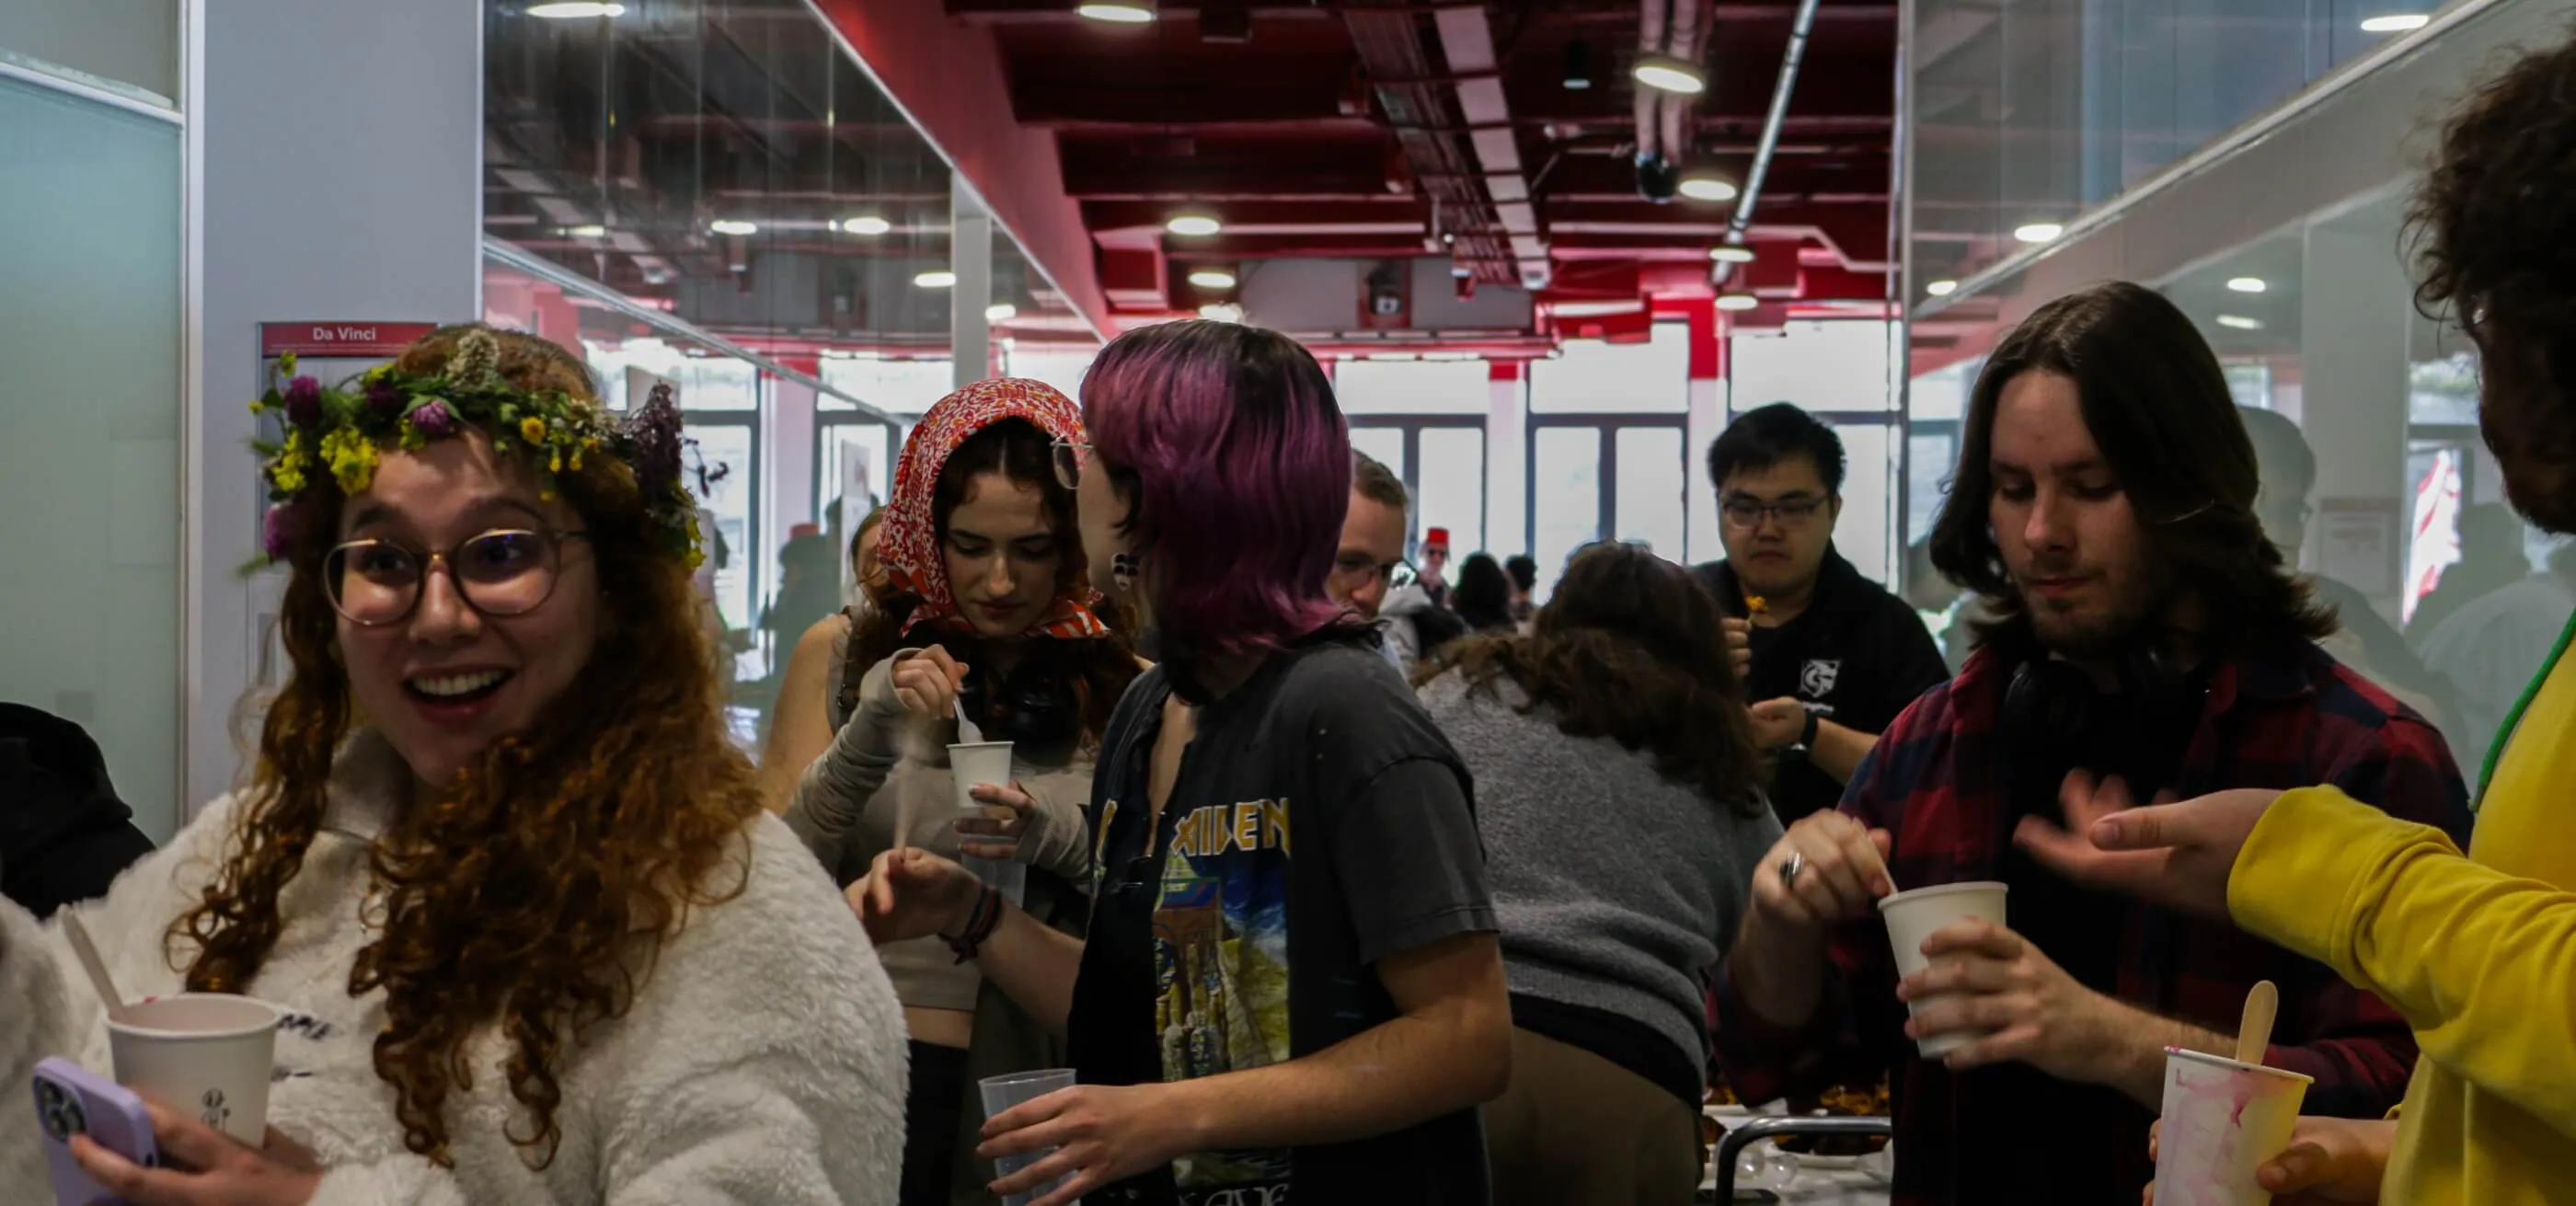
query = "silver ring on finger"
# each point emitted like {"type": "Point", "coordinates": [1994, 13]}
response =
{"type": "Point", "coordinates": [1789, 870]}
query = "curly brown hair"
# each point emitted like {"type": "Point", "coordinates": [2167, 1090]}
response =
{"type": "Point", "coordinates": [534, 895]}
{"type": "Point", "coordinates": [2495, 240]}
{"type": "Point", "coordinates": [1631, 647]}
{"type": "Point", "coordinates": [1097, 671]}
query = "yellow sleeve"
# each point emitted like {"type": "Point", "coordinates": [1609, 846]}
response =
{"type": "Point", "coordinates": [2482, 964]}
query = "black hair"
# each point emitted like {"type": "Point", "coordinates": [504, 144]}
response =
{"type": "Point", "coordinates": [1524, 571]}
{"type": "Point", "coordinates": [1766, 436]}
{"type": "Point", "coordinates": [1483, 596]}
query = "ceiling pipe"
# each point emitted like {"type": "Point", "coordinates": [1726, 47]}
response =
{"type": "Point", "coordinates": [1803, 25]}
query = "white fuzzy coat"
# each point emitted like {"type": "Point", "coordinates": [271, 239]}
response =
{"type": "Point", "coordinates": [761, 1062]}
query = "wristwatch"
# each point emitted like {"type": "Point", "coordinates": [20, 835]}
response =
{"type": "Point", "coordinates": [1806, 742]}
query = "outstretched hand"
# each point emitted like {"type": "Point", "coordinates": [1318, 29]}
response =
{"type": "Point", "coordinates": [911, 893]}
{"type": "Point", "coordinates": [2177, 854]}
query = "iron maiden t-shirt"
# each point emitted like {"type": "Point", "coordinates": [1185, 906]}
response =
{"type": "Point", "coordinates": [1319, 823]}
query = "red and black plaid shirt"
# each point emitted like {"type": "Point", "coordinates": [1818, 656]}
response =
{"type": "Point", "coordinates": [1934, 782]}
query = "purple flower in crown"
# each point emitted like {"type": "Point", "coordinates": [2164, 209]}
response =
{"type": "Point", "coordinates": [654, 431]}
{"type": "Point", "coordinates": [304, 402]}
{"type": "Point", "coordinates": [279, 532]}
{"type": "Point", "coordinates": [433, 419]}
{"type": "Point", "coordinates": [385, 401]}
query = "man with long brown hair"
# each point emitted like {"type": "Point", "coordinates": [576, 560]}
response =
{"type": "Point", "coordinates": [2145, 628]}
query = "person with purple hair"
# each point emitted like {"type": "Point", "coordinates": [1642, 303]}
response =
{"type": "Point", "coordinates": [1244, 1022]}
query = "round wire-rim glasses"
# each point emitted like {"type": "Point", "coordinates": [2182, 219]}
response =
{"type": "Point", "coordinates": [1071, 457]}
{"type": "Point", "coordinates": [502, 573]}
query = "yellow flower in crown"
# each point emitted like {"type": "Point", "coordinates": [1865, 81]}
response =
{"type": "Point", "coordinates": [532, 429]}
{"type": "Point", "coordinates": [287, 474]}
{"type": "Point", "coordinates": [352, 458]}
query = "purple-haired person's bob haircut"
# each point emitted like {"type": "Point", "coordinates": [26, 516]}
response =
{"type": "Point", "coordinates": [1234, 460]}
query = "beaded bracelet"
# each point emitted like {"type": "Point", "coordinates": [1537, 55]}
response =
{"type": "Point", "coordinates": [980, 924]}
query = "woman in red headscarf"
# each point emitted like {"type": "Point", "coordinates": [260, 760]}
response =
{"type": "Point", "coordinates": [989, 615]}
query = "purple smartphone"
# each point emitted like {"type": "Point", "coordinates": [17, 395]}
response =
{"type": "Point", "coordinates": [72, 1100]}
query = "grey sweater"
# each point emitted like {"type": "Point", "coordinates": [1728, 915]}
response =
{"type": "Point", "coordinates": [1617, 888]}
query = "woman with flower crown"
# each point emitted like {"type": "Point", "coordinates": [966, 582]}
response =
{"type": "Point", "coordinates": [988, 614]}
{"type": "Point", "coordinates": [534, 938]}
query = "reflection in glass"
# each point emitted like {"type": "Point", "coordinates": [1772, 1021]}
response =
{"type": "Point", "coordinates": [1451, 485]}
{"type": "Point", "coordinates": [1565, 498]}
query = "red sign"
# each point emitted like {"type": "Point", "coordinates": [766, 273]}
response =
{"type": "Point", "coordinates": [340, 340]}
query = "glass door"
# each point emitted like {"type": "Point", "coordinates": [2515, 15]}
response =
{"type": "Point", "coordinates": [1606, 477]}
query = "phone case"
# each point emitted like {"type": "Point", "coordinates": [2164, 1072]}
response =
{"type": "Point", "coordinates": [70, 1100]}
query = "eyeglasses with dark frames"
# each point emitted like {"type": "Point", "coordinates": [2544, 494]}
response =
{"type": "Point", "coordinates": [502, 573]}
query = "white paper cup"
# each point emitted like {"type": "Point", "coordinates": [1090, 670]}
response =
{"type": "Point", "coordinates": [986, 763]}
{"type": "Point", "coordinates": [1020, 1088]}
{"type": "Point", "coordinates": [2223, 1119]}
{"type": "Point", "coordinates": [204, 1054]}
{"type": "Point", "coordinates": [1917, 915]}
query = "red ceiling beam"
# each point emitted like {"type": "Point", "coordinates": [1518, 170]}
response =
{"type": "Point", "coordinates": [949, 78]}
{"type": "Point", "coordinates": [1610, 12]}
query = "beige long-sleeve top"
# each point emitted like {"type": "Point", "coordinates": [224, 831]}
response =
{"type": "Point", "coordinates": [887, 769]}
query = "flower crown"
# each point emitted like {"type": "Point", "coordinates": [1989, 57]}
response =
{"type": "Point", "coordinates": [342, 433]}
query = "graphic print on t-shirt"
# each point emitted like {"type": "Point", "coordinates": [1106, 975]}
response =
{"type": "Point", "coordinates": [1221, 967]}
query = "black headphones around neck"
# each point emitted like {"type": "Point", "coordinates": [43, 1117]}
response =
{"type": "Point", "coordinates": [2053, 701]}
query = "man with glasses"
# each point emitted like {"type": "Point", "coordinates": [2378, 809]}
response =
{"type": "Point", "coordinates": [1371, 575]}
{"type": "Point", "coordinates": [1835, 656]}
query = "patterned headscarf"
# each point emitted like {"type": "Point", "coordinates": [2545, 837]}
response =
{"type": "Point", "coordinates": [909, 544]}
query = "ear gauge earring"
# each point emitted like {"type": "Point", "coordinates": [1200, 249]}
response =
{"type": "Point", "coordinates": [1123, 569]}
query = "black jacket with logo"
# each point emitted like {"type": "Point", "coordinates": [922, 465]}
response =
{"type": "Point", "coordinates": [1857, 656]}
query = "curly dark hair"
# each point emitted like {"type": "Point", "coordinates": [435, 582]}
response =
{"type": "Point", "coordinates": [533, 896]}
{"type": "Point", "coordinates": [1100, 669]}
{"type": "Point", "coordinates": [2158, 407]}
{"type": "Point", "coordinates": [2495, 241]}
{"type": "Point", "coordinates": [1631, 647]}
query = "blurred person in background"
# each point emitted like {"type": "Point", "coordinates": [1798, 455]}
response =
{"type": "Point", "coordinates": [1371, 576]}
{"type": "Point", "coordinates": [809, 589]}
{"type": "Point", "coordinates": [1484, 595]}
{"type": "Point", "coordinates": [2104, 509]}
{"type": "Point", "coordinates": [2477, 951]}
{"type": "Point", "coordinates": [989, 614]}
{"type": "Point", "coordinates": [2491, 559]}
{"type": "Point", "coordinates": [1940, 602]}
{"type": "Point", "coordinates": [2364, 639]}
{"type": "Point", "coordinates": [1248, 1026]}
{"type": "Point", "coordinates": [2491, 646]}
{"type": "Point", "coordinates": [1835, 657]}
{"type": "Point", "coordinates": [1523, 569]}
{"type": "Point", "coordinates": [800, 720]}
{"type": "Point", "coordinates": [531, 935]}
{"type": "Point", "coordinates": [1621, 820]}
{"type": "Point", "coordinates": [1433, 562]}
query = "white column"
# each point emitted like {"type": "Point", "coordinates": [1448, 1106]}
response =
{"type": "Point", "coordinates": [1707, 419]}
{"type": "Point", "coordinates": [336, 170]}
{"type": "Point", "coordinates": [791, 462]}
{"type": "Point", "coordinates": [1507, 459]}
{"type": "Point", "coordinates": [2352, 404]}
{"type": "Point", "coordinates": [970, 256]}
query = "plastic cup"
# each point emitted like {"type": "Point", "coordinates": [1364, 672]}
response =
{"type": "Point", "coordinates": [1019, 1088]}
{"type": "Point", "coordinates": [1917, 915]}
{"type": "Point", "coordinates": [987, 763]}
{"type": "Point", "coordinates": [2222, 1119]}
{"type": "Point", "coordinates": [208, 1055]}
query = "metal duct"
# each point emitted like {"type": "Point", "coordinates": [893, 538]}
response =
{"type": "Point", "coordinates": [1803, 25]}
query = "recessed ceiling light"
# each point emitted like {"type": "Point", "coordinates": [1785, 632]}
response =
{"type": "Point", "coordinates": [1942, 288]}
{"type": "Point", "coordinates": [734, 226]}
{"type": "Point", "coordinates": [1192, 224]}
{"type": "Point", "coordinates": [1670, 74]}
{"type": "Point", "coordinates": [1737, 301]}
{"type": "Point", "coordinates": [868, 225]}
{"type": "Point", "coordinates": [2396, 23]}
{"type": "Point", "coordinates": [1212, 278]}
{"type": "Point", "coordinates": [1221, 312]}
{"type": "Point", "coordinates": [1118, 12]}
{"type": "Point", "coordinates": [1731, 253]}
{"type": "Point", "coordinates": [936, 278]}
{"type": "Point", "coordinates": [2240, 322]}
{"type": "Point", "coordinates": [2038, 232]}
{"type": "Point", "coordinates": [1704, 184]}
{"type": "Point", "coordinates": [2246, 284]}
{"type": "Point", "coordinates": [592, 230]}
{"type": "Point", "coordinates": [1001, 312]}
{"type": "Point", "coordinates": [567, 11]}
